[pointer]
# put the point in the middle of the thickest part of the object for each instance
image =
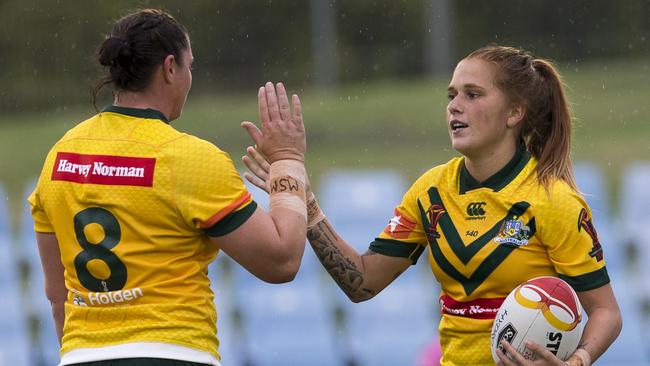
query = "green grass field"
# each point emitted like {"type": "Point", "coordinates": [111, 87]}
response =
{"type": "Point", "coordinates": [397, 125]}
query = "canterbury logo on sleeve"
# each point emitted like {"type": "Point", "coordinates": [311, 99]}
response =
{"type": "Point", "coordinates": [103, 169]}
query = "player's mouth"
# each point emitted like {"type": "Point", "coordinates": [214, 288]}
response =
{"type": "Point", "coordinates": [457, 125]}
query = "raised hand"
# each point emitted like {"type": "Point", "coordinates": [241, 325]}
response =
{"type": "Point", "coordinates": [258, 167]}
{"type": "Point", "coordinates": [282, 134]}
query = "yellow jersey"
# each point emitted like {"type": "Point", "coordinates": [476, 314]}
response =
{"type": "Point", "coordinates": [487, 238]}
{"type": "Point", "coordinates": [132, 202]}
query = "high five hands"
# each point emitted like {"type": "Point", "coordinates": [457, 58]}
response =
{"type": "Point", "coordinates": [282, 133]}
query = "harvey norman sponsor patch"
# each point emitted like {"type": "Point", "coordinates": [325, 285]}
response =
{"type": "Point", "coordinates": [104, 169]}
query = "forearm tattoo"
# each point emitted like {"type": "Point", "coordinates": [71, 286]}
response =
{"type": "Point", "coordinates": [342, 269]}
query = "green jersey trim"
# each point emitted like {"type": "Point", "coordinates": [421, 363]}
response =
{"type": "Point", "coordinates": [396, 248]}
{"type": "Point", "coordinates": [137, 112]}
{"type": "Point", "coordinates": [587, 281]}
{"type": "Point", "coordinates": [436, 215]}
{"type": "Point", "coordinates": [501, 178]}
{"type": "Point", "coordinates": [231, 221]}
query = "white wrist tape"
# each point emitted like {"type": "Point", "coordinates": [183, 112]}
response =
{"type": "Point", "coordinates": [314, 213]}
{"type": "Point", "coordinates": [287, 186]}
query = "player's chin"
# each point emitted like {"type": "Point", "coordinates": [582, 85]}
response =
{"type": "Point", "coordinates": [460, 144]}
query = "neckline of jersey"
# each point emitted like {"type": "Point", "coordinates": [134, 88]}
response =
{"type": "Point", "coordinates": [137, 112]}
{"type": "Point", "coordinates": [501, 178]}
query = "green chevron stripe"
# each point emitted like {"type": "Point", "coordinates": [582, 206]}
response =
{"type": "Point", "coordinates": [463, 252]}
{"type": "Point", "coordinates": [466, 253]}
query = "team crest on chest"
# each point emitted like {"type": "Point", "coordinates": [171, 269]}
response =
{"type": "Point", "coordinates": [513, 232]}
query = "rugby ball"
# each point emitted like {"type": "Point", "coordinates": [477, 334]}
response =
{"type": "Point", "coordinates": [544, 310]}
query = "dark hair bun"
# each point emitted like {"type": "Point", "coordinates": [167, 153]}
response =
{"type": "Point", "coordinates": [115, 51]}
{"type": "Point", "coordinates": [137, 44]}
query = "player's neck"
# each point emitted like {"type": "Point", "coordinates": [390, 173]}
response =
{"type": "Point", "coordinates": [485, 164]}
{"type": "Point", "coordinates": [141, 100]}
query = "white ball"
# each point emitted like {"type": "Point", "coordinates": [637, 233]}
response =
{"type": "Point", "coordinates": [544, 310]}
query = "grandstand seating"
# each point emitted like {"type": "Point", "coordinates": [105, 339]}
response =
{"type": "Point", "coordinates": [592, 184]}
{"type": "Point", "coordinates": [278, 320]}
{"type": "Point", "coordinates": [634, 214]}
{"type": "Point", "coordinates": [228, 331]}
{"type": "Point", "coordinates": [631, 347]}
{"type": "Point", "coordinates": [360, 203]}
{"type": "Point", "coordinates": [45, 351]}
{"type": "Point", "coordinates": [403, 317]}
{"type": "Point", "coordinates": [310, 321]}
{"type": "Point", "coordinates": [635, 210]}
{"type": "Point", "coordinates": [14, 336]}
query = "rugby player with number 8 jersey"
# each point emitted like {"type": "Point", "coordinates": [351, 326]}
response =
{"type": "Point", "coordinates": [506, 211]}
{"type": "Point", "coordinates": [129, 211]}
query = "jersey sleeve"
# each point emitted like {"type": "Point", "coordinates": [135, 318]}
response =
{"type": "Point", "coordinates": [573, 244]}
{"type": "Point", "coordinates": [209, 191]}
{"type": "Point", "coordinates": [403, 236]}
{"type": "Point", "coordinates": [42, 223]}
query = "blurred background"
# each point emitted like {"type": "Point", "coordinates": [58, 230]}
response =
{"type": "Point", "coordinates": [372, 77]}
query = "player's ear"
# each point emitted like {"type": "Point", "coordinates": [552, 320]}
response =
{"type": "Point", "coordinates": [169, 68]}
{"type": "Point", "coordinates": [516, 114]}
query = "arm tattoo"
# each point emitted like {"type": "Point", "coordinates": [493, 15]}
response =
{"type": "Point", "coordinates": [342, 269]}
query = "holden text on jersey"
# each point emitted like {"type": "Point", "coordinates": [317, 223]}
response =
{"type": "Point", "coordinates": [114, 297]}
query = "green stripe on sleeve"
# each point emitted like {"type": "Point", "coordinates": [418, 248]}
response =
{"type": "Point", "coordinates": [587, 281]}
{"type": "Point", "coordinates": [395, 248]}
{"type": "Point", "coordinates": [231, 221]}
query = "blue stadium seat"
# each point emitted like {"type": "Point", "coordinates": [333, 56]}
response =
{"type": "Point", "coordinates": [287, 324]}
{"type": "Point", "coordinates": [592, 184]}
{"type": "Point", "coordinates": [46, 349]}
{"type": "Point", "coordinates": [635, 219]}
{"type": "Point", "coordinates": [359, 204]}
{"type": "Point", "coordinates": [14, 337]}
{"type": "Point", "coordinates": [269, 322]}
{"type": "Point", "coordinates": [632, 347]}
{"type": "Point", "coordinates": [634, 198]}
{"type": "Point", "coordinates": [394, 327]}
{"type": "Point", "coordinates": [635, 191]}
{"type": "Point", "coordinates": [631, 287]}
{"type": "Point", "coordinates": [220, 274]}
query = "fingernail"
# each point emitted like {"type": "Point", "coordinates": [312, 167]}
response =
{"type": "Point", "coordinates": [528, 343]}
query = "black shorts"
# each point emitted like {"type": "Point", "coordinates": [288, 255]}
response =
{"type": "Point", "coordinates": [140, 362]}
